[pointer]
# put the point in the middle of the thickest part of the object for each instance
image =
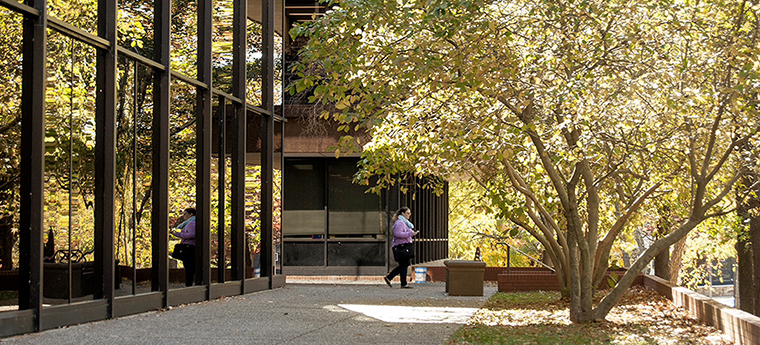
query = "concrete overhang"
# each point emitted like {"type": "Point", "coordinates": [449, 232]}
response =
{"type": "Point", "coordinates": [254, 13]}
{"type": "Point", "coordinates": [296, 11]}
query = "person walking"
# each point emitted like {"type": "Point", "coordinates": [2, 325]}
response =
{"type": "Point", "coordinates": [186, 233]}
{"type": "Point", "coordinates": [403, 249]}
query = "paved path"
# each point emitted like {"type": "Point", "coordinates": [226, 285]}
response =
{"type": "Point", "coordinates": [295, 314]}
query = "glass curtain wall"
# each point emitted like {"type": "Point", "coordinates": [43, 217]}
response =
{"type": "Point", "coordinates": [98, 188]}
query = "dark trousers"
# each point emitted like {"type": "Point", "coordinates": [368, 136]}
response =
{"type": "Point", "coordinates": [189, 263]}
{"type": "Point", "coordinates": [400, 270]}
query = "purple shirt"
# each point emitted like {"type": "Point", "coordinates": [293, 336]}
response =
{"type": "Point", "coordinates": [187, 234]}
{"type": "Point", "coordinates": [401, 233]}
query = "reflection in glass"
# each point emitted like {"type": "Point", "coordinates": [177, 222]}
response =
{"type": "Point", "coordinates": [253, 65]}
{"type": "Point", "coordinates": [277, 196]}
{"type": "Point", "coordinates": [82, 14]}
{"type": "Point", "coordinates": [221, 36]}
{"type": "Point", "coordinates": [253, 198]}
{"type": "Point", "coordinates": [221, 199]}
{"type": "Point", "coordinates": [278, 70]}
{"type": "Point", "coordinates": [184, 41]}
{"type": "Point", "coordinates": [133, 178]}
{"type": "Point", "coordinates": [135, 29]}
{"type": "Point", "coordinates": [182, 149]}
{"type": "Point", "coordinates": [69, 171]}
{"type": "Point", "coordinates": [10, 149]}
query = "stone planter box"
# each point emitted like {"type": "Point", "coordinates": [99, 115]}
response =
{"type": "Point", "coordinates": [464, 278]}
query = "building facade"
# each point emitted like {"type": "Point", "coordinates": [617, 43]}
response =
{"type": "Point", "coordinates": [116, 116]}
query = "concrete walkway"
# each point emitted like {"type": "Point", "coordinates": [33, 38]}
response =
{"type": "Point", "coordinates": [299, 313]}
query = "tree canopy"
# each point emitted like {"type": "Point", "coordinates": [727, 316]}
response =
{"type": "Point", "coordinates": [573, 115]}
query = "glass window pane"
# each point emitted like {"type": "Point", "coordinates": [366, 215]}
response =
{"type": "Point", "coordinates": [253, 63]}
{"type": "Point", "coordinates": [277, 196]}
{"type": "Point", "coordinates": [356, 254]}
{"type": "Point", "coordinates": [217, 172]}
{"type": "Point", "coordinates": [353, 212]}
{"type": "Point", "coordinates": [82, 14]}
{"type": "Point", "coordinates": [10, 153]}
{"type": "Point", "coordinates": [135, 29]}
{"type": "Point", "coordinates": [304, 253]}
{"type": "Point", "coordinates": [253, 197]}
{"type": "Point", "coordinates": [304, 214]}
{"type": "Point", "coordinates": [69, 171]}
{"type": "Point", "coordinates": [221, 36]}
{"type": "Point", "coordinates": [182, 165]}
{"type": "Point", "coordinates": [184, 40]}
{"type": "Point", "coordinates": [278, 72]}
{"type": "Point", "coordinates": [133, 247]}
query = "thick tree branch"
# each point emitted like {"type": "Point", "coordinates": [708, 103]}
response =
{"type": "Point", "coordinates": [625, 282]}
{"type": "Point", "coordinates": [519, 184]}
{"type": "Point", "coordinates": [605, 246]}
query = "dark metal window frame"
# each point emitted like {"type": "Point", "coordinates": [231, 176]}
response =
{"type": "Point", "coordinates": [32, 316]}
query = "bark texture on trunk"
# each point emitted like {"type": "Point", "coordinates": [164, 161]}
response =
{"type": "Point", "coordinates": [754, 235]}
{"type": "Point", "coordinates": [745, 294]}
{"type": "Point", "coordinates": [676, 260]}
{"type": "Point", "coordinates": [662, 265]}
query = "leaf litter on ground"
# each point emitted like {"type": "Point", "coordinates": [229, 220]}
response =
{"type": "Point", "coordinates": [641, 317]}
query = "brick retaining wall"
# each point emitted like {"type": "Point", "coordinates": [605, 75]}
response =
{"type": "Point", "coordinates": [491, 274]}
{"type": "Point", "coordinates": [740, 327]}
{"type": "Point", "coordinates": [537, 279]}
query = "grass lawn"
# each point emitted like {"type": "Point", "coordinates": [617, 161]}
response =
{"type": "Point", "coordinates": [641, 317]}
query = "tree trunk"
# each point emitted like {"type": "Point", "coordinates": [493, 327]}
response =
{"type": "Point", "coordinates": [662, 260]}
{"type": "Point", "coordinates": [575, 281]}
{"type": "Point", "coordinates": [745, 294]}
{"type": "Point", "coordinates": [746, 271]}
{"type": "Point", "coordinates": [675, 260]}
{"type": "Point", "coordinates": [662, 264]}
{"type": "Point", "coordinates": [609, 301]}
{"type": "Point", "coordinates": [754, 235]}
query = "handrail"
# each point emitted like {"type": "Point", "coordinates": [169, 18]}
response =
{"type": "Point", "coordinates": [509, 246]}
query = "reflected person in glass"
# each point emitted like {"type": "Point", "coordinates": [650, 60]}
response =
{"type": "Point", "coordinates": [186, 232]}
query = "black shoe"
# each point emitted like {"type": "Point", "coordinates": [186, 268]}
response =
{"type": "Point", "coordinates": [387, 281]}
{"type": "Point", "coordinates": [406, 287]}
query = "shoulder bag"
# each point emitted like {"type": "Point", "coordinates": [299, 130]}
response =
{"type": "Point", "coordinates": [403, 251]}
